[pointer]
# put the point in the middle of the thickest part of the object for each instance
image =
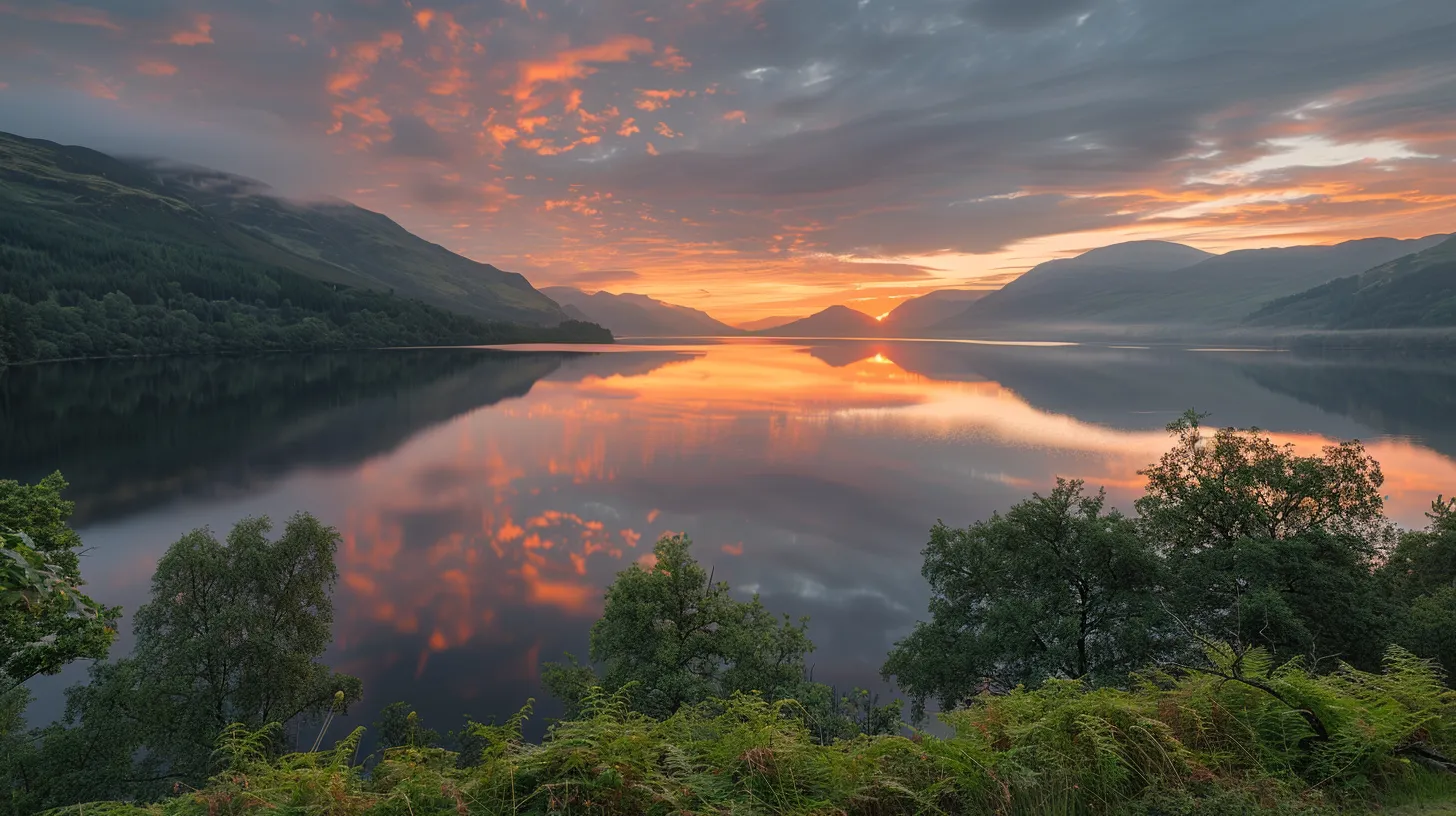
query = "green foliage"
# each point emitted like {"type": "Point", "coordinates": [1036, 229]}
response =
{"type": "Point", "coordinates": [1055, 588]}
{"type": "Point", "coordinates": [101, 258]}
{"type": "Point", "coordinates": [1266, 547]}
{"type": "Point", "coordinates": [399, 725]}
{"type": "Point", "coordinates": [1414, 291]}
{"type": "Point", "coordinates": [232, 635]}
{"type": "Point", "coordinates": [1192, 745]}
{"type": "Point", "coordinates": [1419, 580]}
{"type": "Point", "coordinates": [45, 620]}
{"type": "Point", "coordinates": [670, 636]}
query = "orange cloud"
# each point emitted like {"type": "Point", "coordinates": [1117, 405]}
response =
{"type": "Point", "coordinates": [362, 56]}
{"type": "Point", "coordinates": [736, 116]}
{"type": "Point", "coordinates": [628, 127]}
{"type": "Point", "coordinates": [199, 34]}
{"type": "Point", "coordinates": [665, 131]}
{"type": "Point", "coordinates": [156, 68]}
{"type": "Point", "coordinates": [733, 549]}
{"type": "Point", "coordinates": [671, 60]}
{"type": "Point", "coordinates": [651, 99]}
{"type": "Point", "coordinates": [651, 149]}
{"type": "Point", "coordinates": [568, 65]}
{"type": "Point", "coordinates": [65, 14]}
{"type": "Point", "coordinates": [93, 84]}
{"type": "Point", "coordinates": [423, 17]}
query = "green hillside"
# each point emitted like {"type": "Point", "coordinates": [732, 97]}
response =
{"type": "Point", "coordinates": [102, 257]}
{"type": "Point", "coordinates": [1412, 292]}
{"type": "Point", "coordinates": [341, 243]}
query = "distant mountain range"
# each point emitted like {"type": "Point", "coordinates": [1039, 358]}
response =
{"type": "Point", "coordinates": [1154, 284]}
{"type": "Point", "coordinates": [921, 313]}
{"type": "Point", "coordinates": [1415, 291]}
{"type": "Point", "coordinates": [767, 322]}
{"type": "Point", "coordinates": [836, 321]}
{"type": "Point", "coordinates": [630, 315]}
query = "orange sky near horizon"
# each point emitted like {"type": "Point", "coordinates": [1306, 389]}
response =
{"type": "Point", "coordinates": [755, 158]}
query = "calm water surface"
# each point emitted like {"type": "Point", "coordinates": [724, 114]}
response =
{"type": "Point", "coordinates": [487, 497]}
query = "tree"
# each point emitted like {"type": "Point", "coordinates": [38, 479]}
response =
{"type": "Point", "coordinates": [1054, 588]}
{"type": "Point", "coordinates": [1419, 579]}
{"type": "Point", "coordinates": [675, 637]}
{"type": "Point", "coordinates": [1267, 547]}
{"type": "Point", "coordinates": [232, 634]}
{"type": "Point", "coordinates": [45, 620]}
{"type": "Point", "coordinates": [398, 725]}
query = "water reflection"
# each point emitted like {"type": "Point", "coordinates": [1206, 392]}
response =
{"type": "Point", "coordinates": [486, 498]}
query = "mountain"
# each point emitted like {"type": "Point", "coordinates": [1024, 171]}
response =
{"type": "Point", "coordinates": [767, 323]}
{"type": "Point", "coordinates": [836, 321]}
{"type": "Point", "coordinates": [101, 257]}
{"type": "Point", "coordinates": [1411, 292]}
{"type": "Point", "coordinates": [630, 315]}
{"type": "Point", "coordinates": [353, 246]}
{"type": "Point", "coordinates": [1149, 283]}
{"type": "Point", "coordinates": [333, 240]}
{"type": "Point", "coordinates": [929, 309]}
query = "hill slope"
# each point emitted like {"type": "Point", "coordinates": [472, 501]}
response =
{"type": "Point", "coordinates": [332, 241]}
{"type": "Point", "coordinates": [836, 321]}
{"type": "Point", "coordinates": [630, 315]}
{"type": "Point", "coordinates": [1147, 286]}
{"type": "Point", "coordinates": [1414, 291]}
{"type": "Point", "coordinates": [101, 257]}
{"type": "Point", "coordinates": [929, 309]}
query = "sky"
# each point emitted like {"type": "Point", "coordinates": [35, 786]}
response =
{"type": "Point", "coordinates": [773, 157]}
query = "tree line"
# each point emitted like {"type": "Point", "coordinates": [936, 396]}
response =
{"type": "Point", "coordinates": [1257, 636]}
{"type": "Point", "coordinates": [109, 291]}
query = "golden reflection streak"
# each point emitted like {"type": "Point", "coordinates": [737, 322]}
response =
{"type": "Point", "coordinates": [747, 402]}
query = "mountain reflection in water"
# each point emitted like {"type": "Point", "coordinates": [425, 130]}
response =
{"type": "Point", "coordinates": [487, 497]}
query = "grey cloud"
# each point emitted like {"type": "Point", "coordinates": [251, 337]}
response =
{"type": "Point", "coordinates": [414, 138]}
{"type": "Point", "coordinates": [877, 117]}
{"type": "Point", "coordinates": [1024, 13]}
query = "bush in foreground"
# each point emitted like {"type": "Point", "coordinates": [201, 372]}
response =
{"type": "Point", "coordinates": [1195, 744]}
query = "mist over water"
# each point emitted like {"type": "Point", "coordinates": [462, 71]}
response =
{"type": "Point", "coordinates": [486, 498]}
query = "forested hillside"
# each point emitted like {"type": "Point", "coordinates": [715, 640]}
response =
{"type": "Point", "coordinates": [1416, 291]}
{"type": "Point", "coordinates": [98, 260]}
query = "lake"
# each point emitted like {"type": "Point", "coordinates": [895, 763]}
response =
{"type": "Point", "coordinates": [487, 497]}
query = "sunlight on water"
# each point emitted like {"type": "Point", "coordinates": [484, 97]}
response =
{"type": "Point", "coordinates": [486, 499]}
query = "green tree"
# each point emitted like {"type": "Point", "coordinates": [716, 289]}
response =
{"type": "Point", "coordinates": [676, 637]}
{"type": "Point", "coordinates": [1419, 579]}
{"type": "Point", "coordinates": [45, 620]}
{"type": "Point", "coordinates": [232, 634]}
{"type": "Point", "coordinates": [1056, 587]}
{"type": "Point", "coordinates": [1265, 547]}
{"type": "Point", "coordinates": [398, 724]}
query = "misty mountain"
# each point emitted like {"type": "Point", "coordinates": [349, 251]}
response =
{"type": "Point", "coordinates": [767, 323]}
{"type": "Point", "coordinates": [929, 309]}
{"type": "Point", "coordinates": [1414, 291]}
{"type": "Point", "coordinates": [237, 220]}
{"type": "Point", "coordinates": [630, 315]}
{"type": "Point", "coordinates": [1149, 284]}
{"type": "Point", "coordinates": [836, 321]}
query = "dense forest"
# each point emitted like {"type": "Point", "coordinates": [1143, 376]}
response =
{"type": "Point", "coordinates": [107, 291]}
{"type": "Point", "coordinates": [1257, 637]}
{"type": "Point", "coordinates": [105, 258]}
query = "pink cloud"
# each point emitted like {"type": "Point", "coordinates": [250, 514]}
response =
{"type": "Point", "coordinates": [199, 34]}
